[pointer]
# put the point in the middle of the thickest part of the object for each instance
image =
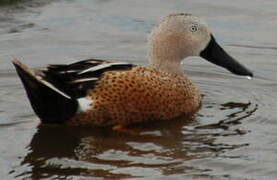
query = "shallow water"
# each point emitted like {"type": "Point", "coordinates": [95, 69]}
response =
{"type": "Point", "coordinates": [233, 136]}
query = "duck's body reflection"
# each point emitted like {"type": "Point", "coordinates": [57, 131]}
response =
{"type": "Point", "coordinates": [67, 151]}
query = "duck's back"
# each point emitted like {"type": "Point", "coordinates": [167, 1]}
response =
{"type": "Point", "coordinates": [138, 94]}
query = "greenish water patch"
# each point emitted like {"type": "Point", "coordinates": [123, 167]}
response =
{"type": "Point", "coordinates": [9, 2]}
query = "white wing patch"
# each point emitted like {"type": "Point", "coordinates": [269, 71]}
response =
{"type": "Point", "coordinates": [84, 80]}
{"type": "Point", "coordinates": [84, 104]}
{"type": "Point", "coordinates": [68, 71]}
{"type": "Point", "coordinates": [102, 66]}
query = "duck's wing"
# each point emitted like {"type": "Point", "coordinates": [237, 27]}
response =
{"type": "Point", "coordinates": [54, 91]}
{"type": "Point", "coordinates": [76, 78]}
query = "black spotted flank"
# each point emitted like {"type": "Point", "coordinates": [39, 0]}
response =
{"type": "Point", "coordinates": [76, 78]}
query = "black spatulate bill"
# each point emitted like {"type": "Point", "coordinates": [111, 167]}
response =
{"type": "Point", "coordinates": [216, 55]}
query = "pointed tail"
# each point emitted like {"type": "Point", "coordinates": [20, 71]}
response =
{"type": "Point", "coordinates": [51, 104]}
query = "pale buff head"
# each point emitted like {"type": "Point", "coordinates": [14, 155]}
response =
{"type": "Point", "coordinates": [175, 38]}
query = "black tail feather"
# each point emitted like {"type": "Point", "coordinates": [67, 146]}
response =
{"type": "Point", "coordinates": [49, 103]}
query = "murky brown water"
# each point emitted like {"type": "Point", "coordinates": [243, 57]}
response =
{"type": "Point", "coordinates": [234, 135]}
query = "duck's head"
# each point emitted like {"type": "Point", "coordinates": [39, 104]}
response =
{"type": "Point", "coordinates": [182, 35]}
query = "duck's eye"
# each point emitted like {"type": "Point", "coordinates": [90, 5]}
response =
{"type": "Point", "coordinates": [193, 28]}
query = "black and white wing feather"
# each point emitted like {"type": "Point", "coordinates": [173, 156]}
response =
{"type": "Point", "coordinates": [54, 91]}
{"type": "Point", "coordinates": [76, 78]}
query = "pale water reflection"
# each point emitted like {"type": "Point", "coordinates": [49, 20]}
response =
{"type": "Point", "coordinates": [233, 136]}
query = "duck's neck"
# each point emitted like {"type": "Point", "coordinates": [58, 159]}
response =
{"type": "Point", "coordinates": [165, 65]}
{"type": "Point", "coordinates": [165, 53]}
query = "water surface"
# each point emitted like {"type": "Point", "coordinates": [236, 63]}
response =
{"type": "Point", "coordinates": [233, 136]}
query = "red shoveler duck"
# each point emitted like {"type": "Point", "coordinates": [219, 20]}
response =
{"type": "Point", "coordinates": [100, 92]}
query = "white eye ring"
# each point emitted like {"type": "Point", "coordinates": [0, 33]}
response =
{"type": "Point", "coordinates": [193, 28]}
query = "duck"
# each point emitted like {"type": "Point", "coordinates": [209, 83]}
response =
{"type": "Point", "coordinates": [97, 92]}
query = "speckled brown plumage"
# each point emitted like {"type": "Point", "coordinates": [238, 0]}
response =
{"type": "Point", "coordinates": [138, 95]}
